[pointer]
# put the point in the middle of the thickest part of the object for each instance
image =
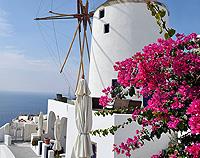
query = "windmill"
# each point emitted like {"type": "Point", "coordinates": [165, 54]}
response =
{"type": "Point", "coordinates": [83, 17]}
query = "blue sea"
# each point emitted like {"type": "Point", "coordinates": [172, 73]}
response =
{"type": "Point", "coordinates": [12, 104]}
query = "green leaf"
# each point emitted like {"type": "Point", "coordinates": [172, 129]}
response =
{"type": "Point", "coordinates": [157, 16]}
{"type": "Point", "coordinates": [158, 135]}
{"type": "Point", "coordinates": [162, 13]}
{"type": "Point", "coordinates": [102, 113]}
{"type": "Point", "coordinates": [132, 91]}
{"type": "Point", "coordinates": [164, 24]}
{"type": "Point", "coordinates": [165, 129]}
{"type": "Point", "coordinates": [153, 12]}
{"type": "Point", "coordinates": [150, 6]}
{"type": "Point", "coordinates": [152, 135]}
{"type": "Point", "coordinates": [149, 114]}
{"type": "Point", "coordinates": [115, 128]}
{"type": "Point", "coordinates": [159, 23]}
{"type": "Point", "coordinates": [171, 32]}
{"type": "Point", "coordinates": [129, 120]}
{"type": "Point", "coordinates": [146, 137]}
{"type": "Point", "coordinates": [157, 6]}
{"type": "Point", "coordinates": [140, 121]}
{"type": "Point", "coordinates": [161, 30]}
{"type": "Point", "coordinates": [105, 132]}
{"type": "Point", "coordinates": [112, 132]}
{"type": "Point", "coordinates": [98, 132]}
{"type": "Point", "coordinates": [167, 35]}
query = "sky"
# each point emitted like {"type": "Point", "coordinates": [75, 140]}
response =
{"type": "Point", "coordinates": [30, 58]}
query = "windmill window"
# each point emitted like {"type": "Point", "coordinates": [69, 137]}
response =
{"type": "Point", "coordinates": [106, 28]}
{"type": "Point", "coordinates": [101, 13]}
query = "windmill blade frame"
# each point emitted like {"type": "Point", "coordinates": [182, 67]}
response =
{"type": "Point", "coordinates": [83, 17]}
{"type": "Point", "coordinates": [70, 48]}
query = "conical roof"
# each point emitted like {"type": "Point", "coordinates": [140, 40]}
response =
{"type": "Point", "coordinates": [111, 2]}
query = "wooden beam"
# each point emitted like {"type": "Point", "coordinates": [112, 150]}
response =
{"type": "Point", "coordinates": [88, 49]}
{"type": "Point", "coordinates": [91, 14]}
{"type": "Point", "coordinates": [81, 66]}
{"type": "Point", "coordinates": [78, 7]}
{"type": "Point", "coordinates": [60, 14]}
{"type": "Point", "coordinates": [82, 49]}
{"type": "Point", "coordinates": [79, 37]}
{"type": "Point", "coordinates": [90, 25]}
{"type": "Point", "coordinates": [54, 18]}
{"type": "Point", "coordinates": [73, 15]}
{"type": "Point", "coordinates": [70, 48]}
{"type": "Point", "coordinates": [78, 77]}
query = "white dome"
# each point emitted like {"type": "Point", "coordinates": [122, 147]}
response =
{"type": "Point", "coordinates": [111, 2]}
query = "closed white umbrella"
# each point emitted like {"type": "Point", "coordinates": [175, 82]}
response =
{"type": "Point", "coordinates": [50, 125]}
{"type": "Point", "coordinates": [40, 125]}
{"type": "Point", "coordinates": [57, 135]}
{"type": "Point", "coordinates": [83, 117]}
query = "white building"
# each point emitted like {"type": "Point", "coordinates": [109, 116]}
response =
{"type": "Point", "coordinates": [104, 145]}
{"type": "Point", "coordinates": [120, 29]}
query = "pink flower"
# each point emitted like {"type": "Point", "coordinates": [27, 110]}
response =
{"type": "Point", "coordinates": [107, 90]}
{"type": "Point", "coordinates": [194, 150]}
{"type": "Point", "coordinates": [194, 108]}
{"type": "Point", "coordinates": [173, 123]}
{"type": "Point", "coordinates": [117, 150]}
{"type": "Point", "coordinates": [135, 114]}
{"type": "Point", "coordinates": [128, 154]}
{"type": "Point", "coordinates": [167, 73]}
{"type": "Point", "coordinates": [104, 100]}
{"type": "Point", "coordinates": [194, 123]}
{"type": "Point", "coordinates": [174, 155]}
{"type": "Point", "coordinates": [176, 104]}
{"type": "Point", "coordinates": [179, 36]}
{"type": "Point", "coordinates": [155, 156]}
{"type": "Point", "coordinates": [194, 120]}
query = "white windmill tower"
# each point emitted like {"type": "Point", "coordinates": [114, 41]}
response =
{"type": "Point", "coordinates": [120, 28]}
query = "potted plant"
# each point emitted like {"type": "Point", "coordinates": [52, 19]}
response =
{"type": "Point", "coordinates": [35, 141]}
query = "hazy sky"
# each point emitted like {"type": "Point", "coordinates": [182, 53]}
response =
{"type": "Point", "coordinates": [29, 58]}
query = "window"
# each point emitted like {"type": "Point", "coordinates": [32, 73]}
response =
{"type": "Point", "coordinates": [106, 28]}
{"type": "Point", "coordinates": [101, 13]}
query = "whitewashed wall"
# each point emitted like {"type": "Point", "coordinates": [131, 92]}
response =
{"type": "Point", "coordinates": [4, 130]}
{"type": "Point", "coordinates": [131, 28]}
{"type": "Point", "coordinates": [59, 108]}
{"type": "Point", "coordinates": [105, 144]}
{"type": "Point", "coordinates": [68, 111]}
{"type": "Point", "coordinates": [1, 134]}
{"type": "Point", "coordinates": [149, 149]}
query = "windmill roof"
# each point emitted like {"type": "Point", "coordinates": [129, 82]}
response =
{"type": "Point", "coordinates": [111, 2]}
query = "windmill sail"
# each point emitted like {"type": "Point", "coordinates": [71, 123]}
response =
{"type": "Point", "coordinates": [83, 17]}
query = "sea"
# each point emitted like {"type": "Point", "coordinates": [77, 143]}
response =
{"type": "Point", "coordinates": [13, 104]}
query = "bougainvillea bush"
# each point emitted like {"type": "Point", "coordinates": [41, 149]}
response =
{"type": "Point", "coordinates": [168, 73]}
